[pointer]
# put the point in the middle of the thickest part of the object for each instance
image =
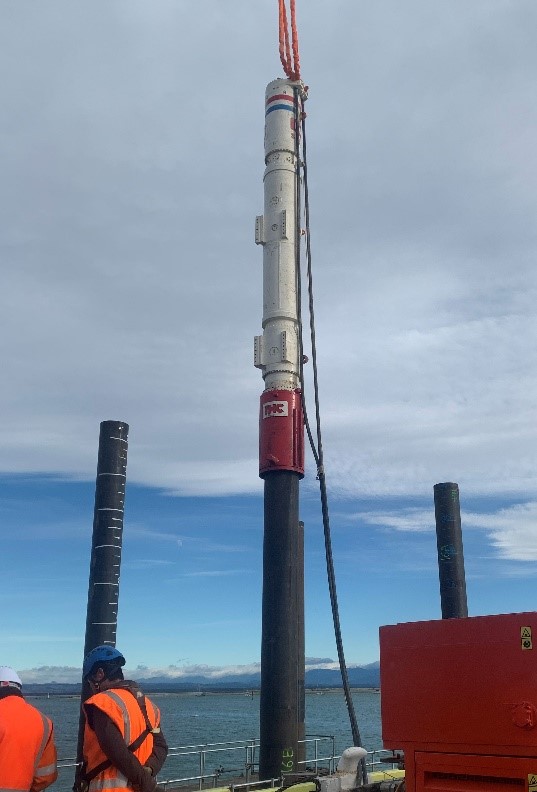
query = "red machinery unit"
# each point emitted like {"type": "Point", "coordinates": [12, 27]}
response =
{"type": "Point", "coordinates": [459, 697]}
{"type": "Point", "coordinates": [281, 432]}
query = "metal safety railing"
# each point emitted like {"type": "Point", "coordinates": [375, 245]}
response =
{"type": "Point", "coordinates": [379, 759]}
{"type": "Point", "coordinates": [248, 767]}
{"type": "Point", "coordinates": [241, 760]}
{"type": "Point", "coordinates": [67, 761]}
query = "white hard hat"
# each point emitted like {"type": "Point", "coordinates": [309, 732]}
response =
{"type": "Point", "coordinates": [8, 674]}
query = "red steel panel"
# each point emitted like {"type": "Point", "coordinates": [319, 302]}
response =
{"type": "Point", "coordinates": [459, 681]}
{"type": "Point", "coordinates": [461, 773]}
{"type": "Point", "coordinates": [459, 697]}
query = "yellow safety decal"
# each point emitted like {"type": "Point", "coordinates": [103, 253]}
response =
{"type": "Point", "coordinates": [532, 782]}
{"type": "Point", "coordinates": [525, 638]}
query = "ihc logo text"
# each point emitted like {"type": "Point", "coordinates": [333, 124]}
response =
{"type": "Point", "coordinates": [276, 409]}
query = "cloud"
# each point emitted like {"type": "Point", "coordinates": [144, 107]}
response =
{"type": "Point", "coordinates": [69, 674]}
{"type": "Point", "coordinates": [44, 674]}
{"type": "Point", "coordinates": [199, 544]}
{"type": "Point", "coordinates": [209, 671]}
{"type": "Point", "coordinates": [312, 663]}
{"type": "Point", "coordinates": [146, 563]}
{"type": "Point", "coordinates": [512, 531]}
{"type": "Point", "coordinates": [408, 520]}
{"type": "Point", "coordinates": [218, 573]}
{"type": "Point", "coordinates": [41, 638]}
{"type": "Point", "coordinates": [132, 287]}
{"type": "Point", "coordinates": [208, 546]}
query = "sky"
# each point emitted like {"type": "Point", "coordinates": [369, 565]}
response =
{"type": "Point", "coordinates": [131, 164]}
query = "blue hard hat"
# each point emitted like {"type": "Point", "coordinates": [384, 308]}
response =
{"type": "Point", "coordinates": [101, 654]}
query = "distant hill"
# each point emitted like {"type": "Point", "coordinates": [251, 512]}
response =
{"type": "Point", "coordinates": [359, 676]}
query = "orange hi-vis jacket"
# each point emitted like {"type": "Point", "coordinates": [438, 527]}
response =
{"type": "Point", "coordinates": [123, 709]}
{"type": "Point", "coordinates": [27, 750]}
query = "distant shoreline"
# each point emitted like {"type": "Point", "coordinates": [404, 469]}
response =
{"type": "Point", "coordinates": [29, 691]}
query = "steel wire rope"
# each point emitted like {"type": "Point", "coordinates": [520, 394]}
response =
{"type": "Point", "coordinates": [300, 124]}
{"type": "Point", "coordinates": [298, 111]}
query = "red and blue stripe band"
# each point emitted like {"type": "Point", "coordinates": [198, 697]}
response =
{"type": "Point", "coordinates": [289, 103]}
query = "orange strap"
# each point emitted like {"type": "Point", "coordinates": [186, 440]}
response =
{"type": "Point", "coordinates": [291, 65]}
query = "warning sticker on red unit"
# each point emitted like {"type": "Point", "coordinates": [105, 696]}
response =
{"type": "Point", "coordinates": [525, 639]}
{"type": "Point", "coordinates": [532, 782]}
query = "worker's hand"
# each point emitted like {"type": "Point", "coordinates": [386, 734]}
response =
{"type": "Point", "coordinates": [148, 770]}
{"type": "Point", "coordinates": [148, 784]}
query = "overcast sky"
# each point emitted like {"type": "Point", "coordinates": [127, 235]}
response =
{"type": "Point", "coordinates": [131, 162]}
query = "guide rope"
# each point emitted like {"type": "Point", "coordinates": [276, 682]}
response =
{"type": "Point", "coordinates": [317, 445]}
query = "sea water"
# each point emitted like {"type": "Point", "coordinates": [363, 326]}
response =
{"type": "Point", "coordinates": [195, 720]}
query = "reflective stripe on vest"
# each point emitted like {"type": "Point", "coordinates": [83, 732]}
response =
{"type": "Point", "coordinates": [43, 771]}
{"type": "Point", "coordinates": [119, 782]}
{"type": "Point", "coordinates": [46, 734]}
{"type": "Point", "coordinates": [124, 711]}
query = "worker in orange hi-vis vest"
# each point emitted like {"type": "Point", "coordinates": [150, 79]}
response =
{"type": "Point", "coordinates": [27, 750]}
{"type": "Point", "coordinates": [124, 747]}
